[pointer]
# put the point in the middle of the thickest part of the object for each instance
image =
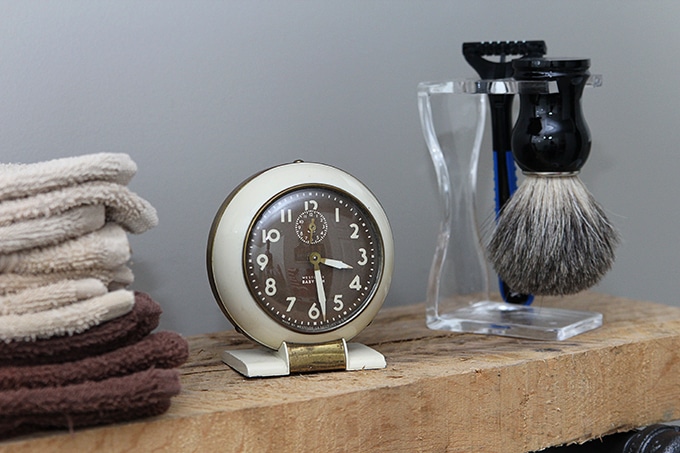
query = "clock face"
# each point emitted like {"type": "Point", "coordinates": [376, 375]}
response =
{"type": "Point", "coordinates": [313, 258]}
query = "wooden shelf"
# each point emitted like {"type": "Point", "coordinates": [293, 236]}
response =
{"type": "Point", "coordinates": [439, 392]}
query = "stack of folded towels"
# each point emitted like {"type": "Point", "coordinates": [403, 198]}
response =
{"type": "Point", "coordinates": [76, 346]}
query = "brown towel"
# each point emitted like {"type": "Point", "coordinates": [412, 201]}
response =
{"type": "Point", "coordinates": [160, 350]}
{"type": "Point", "coordinates": [119, 332]}
{"type": "Point", "coordinates": [112, 400]}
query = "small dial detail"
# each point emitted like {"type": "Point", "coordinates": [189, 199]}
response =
{"type": "Point", "coordinates": [311, 227]}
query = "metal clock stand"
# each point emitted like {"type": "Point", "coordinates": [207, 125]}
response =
{"type": "Point", "coordinates": [304, 358]}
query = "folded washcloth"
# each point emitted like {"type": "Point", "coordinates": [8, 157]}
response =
{"type": "Point", "coordinates": [51, 230]}
{"type": "Point", "coordinates": [119, 332]}
{"type": "Point", "coordinates": [53, 295]}
{"type": "Point", "coordinates": [69, 320]}
{"type": "Point", "coordinates": [112, 400]}
{"type": "Point", "coordinates": [116, 278]}
{"type": "Point", "coordinates": [21, 180]}
{"type": "Point", "coordinates": [160, 350]}
{"type": "Point", "coordinates": [105, 248]}
{"type": "Point", "coordinates": [123, 207]}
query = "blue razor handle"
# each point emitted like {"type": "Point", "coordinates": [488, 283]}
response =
{"type": "Point", "coordinates": [504, 187]}
{"type": "Point", "coordinates": [501, 120]}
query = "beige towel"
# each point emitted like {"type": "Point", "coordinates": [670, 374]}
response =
{"type": "Point", "coordinates": [69, 320]}
{"type": "Point", "coordinates": [21, 180]}
{"type": "Point", "coordinates": [50, 296]}
{"type": "Point", "coordinates": [51, 230]}
{"type": "Point", "coordinates": [117, 278]}
{"type": "Point", "coordinates": [106, 248]}
{"type": "Point", "coordinates": [123, 207]}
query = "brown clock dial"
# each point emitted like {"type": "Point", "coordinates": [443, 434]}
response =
{"type": "Point", "coordinates": [312, 258]}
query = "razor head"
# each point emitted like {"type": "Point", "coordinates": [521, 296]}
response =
{"type": "Point", "coordinates": [475, 53]}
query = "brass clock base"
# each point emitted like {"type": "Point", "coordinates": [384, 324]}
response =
{"type": "Point", "coordinates": [304, 358]}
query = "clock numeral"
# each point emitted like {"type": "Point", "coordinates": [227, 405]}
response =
{"type": "Point", "coordinates": [286, 215]}
{"type": "Point", "coordinates": [270, 287]}
{"type": "Point", "coordinates": [355, 232]}
{"type": "Point", "coordinates": [272, 235]}
{"type": "Point", "coordinates": [314, 205]}
{"type": "Point", "coordinates": [262, 260]}
{"type": "Point", "coordinates": [355, 283]}
{"type": "Point", "coordinates": [337, 215]}
{"type": "Point", "coordinates": [337, 300]}
{"type": "Point", "coordinates": [291, 301]}
{"type": "Point", "coordinates": [364, 257]}
{"type": "Point", "coordinates": [314, 312]}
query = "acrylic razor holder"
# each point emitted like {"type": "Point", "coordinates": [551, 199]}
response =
{"type": "Point", "coordinates": [453, 117]}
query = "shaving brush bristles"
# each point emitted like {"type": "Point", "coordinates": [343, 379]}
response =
{"type": "Point", "coordinates": [552, 238]}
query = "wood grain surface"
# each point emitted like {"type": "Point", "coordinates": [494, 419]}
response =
{"type": "Point", "coordinates": [440, 392]}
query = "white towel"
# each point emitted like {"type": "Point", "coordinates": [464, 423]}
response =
{"type": "Point", "coordinates": [69, 320]}
{"type": "Point", "coordinates": [21, 180]}
{"type": "Point", "coordinates": [106, 248]}
{"type": "Point", "coordinates": [123, 207]}
{"type": "Point", "coordinates": [53, 295]}
{"type": "Point", "coordinates": [43, 231]}
{"type": "Point", "coordinates": [117, 278]}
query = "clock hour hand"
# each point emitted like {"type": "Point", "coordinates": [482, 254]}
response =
{"type": "Point", "coordinates": [335, 263]}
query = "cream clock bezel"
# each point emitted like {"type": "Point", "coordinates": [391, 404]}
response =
{"type": "Point", "coordinates": [227, 241]}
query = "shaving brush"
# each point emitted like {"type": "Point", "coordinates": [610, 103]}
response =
{"type": "Point", "coordinates": [552, 237]}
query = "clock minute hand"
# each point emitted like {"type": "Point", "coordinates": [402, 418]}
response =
{"type": "Point", "coordinates": [320, 291]}
{"type": "Point", "coordinates": [335, 263]}
{"type": "Point", "coordinates": [315, 258]}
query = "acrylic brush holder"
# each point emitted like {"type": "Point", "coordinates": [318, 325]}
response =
{"type": "Point", "coordinates": [453, 118]}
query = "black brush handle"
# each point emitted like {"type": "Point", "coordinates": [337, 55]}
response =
{"type": "Point", "coordinates": [550, 134]}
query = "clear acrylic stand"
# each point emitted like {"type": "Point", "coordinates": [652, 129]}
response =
{"type": "Point", "coordinates": [453, 118]}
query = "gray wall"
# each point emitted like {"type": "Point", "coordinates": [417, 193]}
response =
{"type": "Point", "coordinates": [203, 93]}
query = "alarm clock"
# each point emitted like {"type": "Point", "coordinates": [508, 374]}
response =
{"type": "Point", "coordinates": [300, 259]}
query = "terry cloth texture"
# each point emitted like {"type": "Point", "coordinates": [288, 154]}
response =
{"type": "Point", "coordinates": [87, 404]}
{"type": "Point", "coordinates": [160, 350]}
{"type": "Point", "coordinates": [106, 248]}
{"type": "Point", "coordinates": [76, 348]}
{"type": "Point", "coordinates": [69, 320]}
{"type": "Point", "coordinates": [22, 180]}
{"type": "Point", "coordinates": [53, 295]}
{"type": "Point", "coordinates": [51, 230]}
{"type": "Point", "coordinates": [123, 207]}
{"type": "Point", "coordinates": [117, 333]}
{"type": "Point", "coordinates": [116, 278]}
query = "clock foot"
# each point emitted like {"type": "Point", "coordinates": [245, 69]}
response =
{"type": "Point", "coordinates": [298, 358]}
